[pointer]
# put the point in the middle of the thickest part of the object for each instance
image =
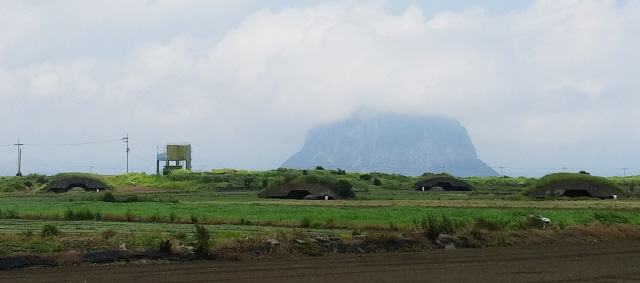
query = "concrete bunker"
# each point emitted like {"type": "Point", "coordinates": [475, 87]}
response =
{"type": "Point", "coordinates": [299, 190]}
{"type": "Point", "coordinates": [66, 184]}
{"type": "Point", "coordinates": [443, 184]}
{"type": "Point", "coordinates": [574, 185]}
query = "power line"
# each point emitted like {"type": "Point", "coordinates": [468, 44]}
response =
{"type": "Point", "coordinates": [71, 144]}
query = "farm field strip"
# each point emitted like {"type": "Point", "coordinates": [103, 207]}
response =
{"type": "Point", "coordinates": [14, 226]}
{"type": "Point", "coordinates": [318, 215]}
{"type": "Point", "coordinates": [449, 203]}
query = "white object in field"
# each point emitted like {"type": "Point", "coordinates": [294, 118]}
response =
{"type": "Point", "coordinates": [423, 188]}
{"type": "Point", "coordinates": [326, 197]}
{"type": "Point", "coordinates": [615, 197]}
{"type": "Point", "coordinates": [545, 221]}
{"type": "Point", "coordinates": [133, 183]}
{"type": "Point", "coordinates": [97, 190]}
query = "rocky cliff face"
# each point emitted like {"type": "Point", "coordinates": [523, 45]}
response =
{"type": "Point", "coordinates": [406, 145]}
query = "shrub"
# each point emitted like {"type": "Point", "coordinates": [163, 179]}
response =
{"type": "Point", "coordinates": [130, 216]}
{"type": "Point", "coordinates": [305, 222]}
{"type": "Point", "coordinates": [344, 189]}
{"type": "Point", "coordinates": [49, 230]}
{"type": "Point", "coordinates": [81, 214]}
{"type": "Point", "coordinates": [194, 218]}
{"type": "Point", "coordinates": [377, 182]}
{"type": "Point", "coordinates": [319, 167]}
{"type": "Point", "coordinates": [11, 214]}
{"type": "Point", "coordinates": [338, 172]}
{"type": "Point", "coordinates": [182, 175]}
{"type": "Point", "coordinates": [202, 245]}
{"type": "Point", "coordinates": [108, 197]}
{"type": "Point", "coordinates": [310, 249]}
{"type": "Point", "coordinates": [365, 177]}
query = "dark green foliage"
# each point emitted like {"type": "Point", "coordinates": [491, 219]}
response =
{"type": "Point", "coordinates": [319, 167]}
{"type": "Point", "coordinates": [11, 214]}
{"type": "Point", "coordinates": [583, 172]}
{"type": "Point", "coordinates": [76, 175]}
{"type": "Point", "coordinates": [365, 177]}
{"type": "Point", "coordinates": [310, 249]}
{"type": "Point", "coordinates": [265, 183]}
{"type": "Point", "coordinates": [305, 222]}
{"type": "Point", "coordinates": [608, 218]}
{"type": "Point", "coordinates": [194, 218]}
{"type": "Point", "coordinates": [49, 230]}
{"type": "Point", "coordinates": [202, 245]}
{"type": "Point", "coordinates": [305, 172]}
{"type": "Point", "coordinates": [183, 175]}
{"type": "Point", "coordinates": [344, 189]}
{"type": "Point", "coordinates": [247, 182]}
{"type": "Point", "coordinates": [338, 172]}
{"type": "Point", "coordinates": [108, 197]}
{"type": "Point", "coordinates": [377, 182]}
{"type": "Point", "coordinates": [130, 216]}
{"type": "Point", "coordinates": [81, 214]}
{"type": "Point", "coordinates": [28, 183]}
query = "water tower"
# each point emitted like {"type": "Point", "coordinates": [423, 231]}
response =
{"type": "Point", "coordinates": [175, 156]}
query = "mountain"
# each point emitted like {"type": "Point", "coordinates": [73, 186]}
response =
{"type": "Point", "coordinates": [407, 145]}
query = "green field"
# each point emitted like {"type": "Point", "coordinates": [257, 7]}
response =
{"type": "Point", "coordinates": [226, 202]}
{"type": "Point", "coordinates": [278, 212]}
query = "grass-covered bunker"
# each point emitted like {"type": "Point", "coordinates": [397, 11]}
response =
{"type": "Point", "coordinates": [442, 182]}
{"type": "Point", "coordinates": [65, 182]}
{"type": "Point", "coordinates": [574, 185]}
{"type": "Point", "coordinates": [310, 187]}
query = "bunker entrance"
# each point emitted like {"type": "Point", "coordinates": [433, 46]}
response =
{"type": "Point", "coordinates": [76, 187]}
{"type": "Point", "coordinates": [444, 186]}
{"type": "Point", "coordinates": [576, 193]}
{"type": "Point", "coordinates": [297, 194]}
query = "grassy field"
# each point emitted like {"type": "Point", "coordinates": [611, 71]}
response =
{"type": "Point", "coordinates": [381, 214]}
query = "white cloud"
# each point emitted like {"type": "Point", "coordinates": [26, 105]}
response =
{"type": "Point", "coordinates": [559, 74]}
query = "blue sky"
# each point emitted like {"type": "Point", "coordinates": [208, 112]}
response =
{"type": "Point", "coordinates": [539, 85]}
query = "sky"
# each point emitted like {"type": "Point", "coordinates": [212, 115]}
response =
{"type": "Point", "coordinates": [541, 86]}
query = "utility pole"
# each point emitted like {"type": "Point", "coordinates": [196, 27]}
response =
{"type": "Point", "coordinates": [624, 171]}
{"type": "Point", "coordinates": [19, 157]}
{"type": "Point", "coordinates": [501, 167]}
{"type": "Point", "coordinates": [564, 169]}
{"type": "Point", "coordinates": [441, 169]}
{"type": "Point", "coordinates": [126, 139]}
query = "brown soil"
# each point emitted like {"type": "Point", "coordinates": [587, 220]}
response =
{"type": "Point", "coordinates": [141, 189]}
{"type": "Point", "coordinates": [591, 262]}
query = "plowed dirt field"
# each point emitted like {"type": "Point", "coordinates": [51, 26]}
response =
{"type": "Point", "coordinates": [590, 262]}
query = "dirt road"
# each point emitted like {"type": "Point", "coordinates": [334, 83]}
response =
{"type": "Point", "coordinates": [592, 262]}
